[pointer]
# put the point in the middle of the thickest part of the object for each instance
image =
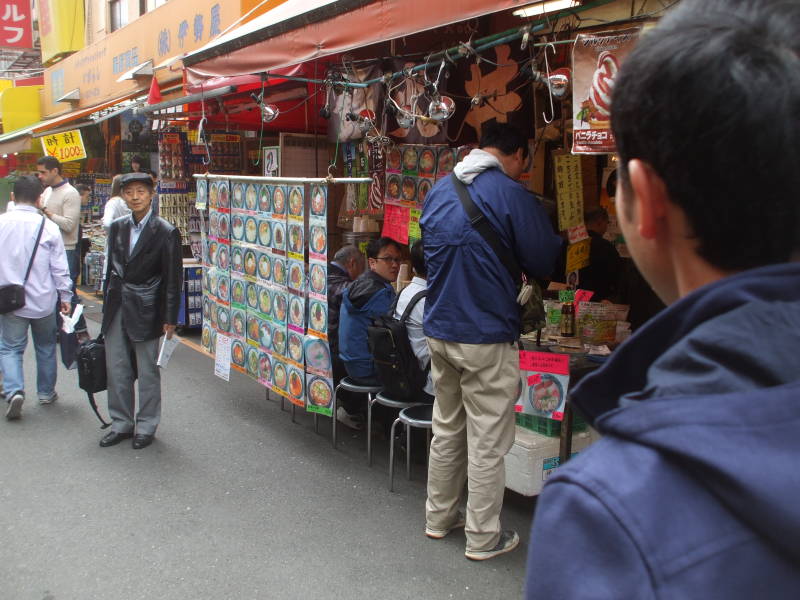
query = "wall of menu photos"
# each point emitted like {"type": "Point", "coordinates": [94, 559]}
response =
{"type": "Point", "coordinates": [265, 284]}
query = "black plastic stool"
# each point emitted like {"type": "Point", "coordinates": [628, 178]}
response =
{"type": "Point", "coordinates": [420, 416]}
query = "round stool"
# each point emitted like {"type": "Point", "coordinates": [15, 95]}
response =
{"type": "Point", "coordinates": [420, 416]}
{"type": "Point", "coordinates": [383, 400]}
{"type": "Point", "coordinates": [347, 384]}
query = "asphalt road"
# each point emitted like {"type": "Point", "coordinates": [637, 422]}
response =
{"type": "Point", "coordinates": [232, 501]}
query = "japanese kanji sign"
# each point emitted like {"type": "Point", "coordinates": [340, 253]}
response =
{"type": "Point", "coordinates": [67, 145]}
{"type": "Point", "coordinates": [578, 256]}
{"type": "Point", "coordinates": [569, 191]}
{"type": "Point", "coordinates": [15, 24]}
{"type": "Point", "coordinates": [596, 58]}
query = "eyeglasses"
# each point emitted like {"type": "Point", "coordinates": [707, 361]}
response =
{"type": "Point", "coordinates": [391, 259]}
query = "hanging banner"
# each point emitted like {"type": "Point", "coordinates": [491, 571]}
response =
{"type": "Point", "coordinates": [396, 223]}
{"type": "Point", "coordinates": [569, 191]}
{"type": "Point", "coordinates": [65, 146]}
{"type": "Point", "coordinates": [596, 59]}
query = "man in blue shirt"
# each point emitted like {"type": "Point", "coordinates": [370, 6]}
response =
{"type": "Point", "coordinates": [472, 322]}
{"type": "Point", "coordinates": [692, 491]}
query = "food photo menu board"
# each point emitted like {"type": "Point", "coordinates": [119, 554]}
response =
{"type": "Point", "coordinates": [257, 291]}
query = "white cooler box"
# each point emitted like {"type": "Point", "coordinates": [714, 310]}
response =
{"type": "Point", "coordinates": [534, 456]}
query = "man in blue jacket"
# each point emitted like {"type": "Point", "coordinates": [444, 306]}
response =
{"type": "Point", "coordinates": [369, 296]}
{"type": "Point", "coordinates": [472, 323]}
{"type": "Point", "coordinates": [692, 492]}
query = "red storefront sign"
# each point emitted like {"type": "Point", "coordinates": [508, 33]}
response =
{"type": "Point", "coordinates": [16, 30]}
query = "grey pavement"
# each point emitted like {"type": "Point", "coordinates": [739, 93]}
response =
{"type": "Point", "coordinates": [232, 501]}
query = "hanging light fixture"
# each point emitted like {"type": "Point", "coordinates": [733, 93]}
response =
{"type": "Point", "coordinates": [441, 108]}
{"type": "Point", "coordinates": [541, 8]}
{"type": "Point", "coordinates": [269, 112]}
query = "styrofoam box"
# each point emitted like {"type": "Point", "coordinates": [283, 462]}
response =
{"type": "Point", "coordinates": [533, 457]}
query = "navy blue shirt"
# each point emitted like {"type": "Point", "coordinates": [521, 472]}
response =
{"type": "Point", "coordinates": [471, 297]}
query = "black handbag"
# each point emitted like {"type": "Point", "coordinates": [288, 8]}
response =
{"type": "Point", "coordinates": [92, 375]}
{"type": "Point", "coordinates": [12, 296]}
{"type": "Point", "coordinates": [532, 316]}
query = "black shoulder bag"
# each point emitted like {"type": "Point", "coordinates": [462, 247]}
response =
{"type": "Point", "coordinates": [12, 296]}
{"type": "Point", "coordinates": [532, 315]}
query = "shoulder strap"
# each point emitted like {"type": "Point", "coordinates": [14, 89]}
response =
{"type": "Point", "coordinates": [482, 225]}
{"type": "Point", "coordinates": [35, 248]}
{"type": "Point", "coordinates": [411, 304]}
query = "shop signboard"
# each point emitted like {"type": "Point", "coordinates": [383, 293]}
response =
{"type": "Point", "coordinates": [171, 30]}
{"type": "Point", "coordinates": [578, 256]}
{"type": "Point", "coordinates": [65, 146]}
{"type": "Point", "coordinates": [596, 58]}
{"type": "Point", "coordinates": [569, 191]}
{"type": "Point", "coordinates": [16, 24]}
{"type": "Point", "coordinates": [61, 27]}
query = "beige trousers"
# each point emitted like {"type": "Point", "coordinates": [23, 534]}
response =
{"type": "Point", "coordinates": [473, 429]}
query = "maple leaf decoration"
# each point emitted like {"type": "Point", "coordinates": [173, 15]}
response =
{"type": "Point", "coordinates": [494, 85]}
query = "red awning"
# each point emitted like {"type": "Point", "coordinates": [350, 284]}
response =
{"type": "Point", "coordinates": [298, 31]}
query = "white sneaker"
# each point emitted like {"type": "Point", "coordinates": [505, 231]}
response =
{"type": "Point", "coordinates": [437, 534]}
{"type": "Point", "coordinates": [14, 410]}
{"type": "Point", "coordinates": [50, 399]}
{"type": "Point", "coordinates": [352, 421]}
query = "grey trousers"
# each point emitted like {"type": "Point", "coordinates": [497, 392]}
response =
{"type": "Point", "coordinates": [121, 407]}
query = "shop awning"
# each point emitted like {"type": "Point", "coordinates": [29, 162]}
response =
{"type": "Point", "coordinates": [298, 31]}
{"type": "Point", "coordinates": [16, 141]}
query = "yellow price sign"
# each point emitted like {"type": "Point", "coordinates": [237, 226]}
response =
{"type": "Point", "coordinates": [578, 256]}
{"type": "Point", "coordinates": [65, 146]}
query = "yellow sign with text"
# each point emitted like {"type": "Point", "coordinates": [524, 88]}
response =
{"type": "Point", "coordinates": [578, 256]}
{"type": "Point", "coordinates": [65, 146]}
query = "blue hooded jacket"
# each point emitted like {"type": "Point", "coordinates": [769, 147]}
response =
{"type": "Point", "coordinates": [471, 297]}
{"type": "Point", "coordinates": [369, 296]}
{"type": "Point", "coordinates": [693, 490]}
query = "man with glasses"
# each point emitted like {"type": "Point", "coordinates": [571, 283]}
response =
{"type": "Point", "coordinates": [369, 296]}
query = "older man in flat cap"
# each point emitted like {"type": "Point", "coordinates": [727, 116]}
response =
{"type": "Point", "coordinates": [142, 296]}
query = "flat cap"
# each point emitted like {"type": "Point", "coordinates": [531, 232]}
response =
{"type": "Point", "coordinates": [129, 178]}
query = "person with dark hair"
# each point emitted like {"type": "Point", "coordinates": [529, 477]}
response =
{"type": "Point", "coordinates": [347, 264]}
{"type": "Point", "coordinates": [61, 203]}
{"type": "Point", "coordinates": [691, 492]}
{"type": "Point", "coordinates": [137, 165]}
{"type": "Point", "coordinates": [416, 336]}
{"type": "Point", "coordinates": [369, 296]}
{"type": "Point", "coordinates": [48, 285]}
{"type": "Point", "coordinates": [472, 321]}
{"type": "Point", "coordinates": [142, 294]}
{"type": "Point", "coordinates": [604, 272]}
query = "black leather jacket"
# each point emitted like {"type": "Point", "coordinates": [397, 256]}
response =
{"type": "Point", "coordinates": [338, 280]}
{"type": "Point", "coordinates": [148, 283]}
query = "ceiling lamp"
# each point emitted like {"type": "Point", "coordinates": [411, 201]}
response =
{"type": "Point", "coordinates": [442, 108]}
{"type": "Point", "coordinates": [269, 112]}
{"type": "Point", "coordinates": [541, 8]}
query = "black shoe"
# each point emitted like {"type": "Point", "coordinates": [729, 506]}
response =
{"type": "Point", "coordinates": [113, 438]}
{"type": "Point", "coordinates": [142, 441]}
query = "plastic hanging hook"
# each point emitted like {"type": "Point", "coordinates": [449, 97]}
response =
{"type": "Point", "coordinates": [552, 47]}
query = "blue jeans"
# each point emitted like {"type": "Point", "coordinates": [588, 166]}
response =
{"type": "Point", "coordinates": [74, 263]}
{"type": "Point", "coordinates": [14, 341]}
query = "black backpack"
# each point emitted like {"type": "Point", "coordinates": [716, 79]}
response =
{"type": "Point", "coordinates": [92, 377]}
{"type": "Point", "coordinates": [398, 368]}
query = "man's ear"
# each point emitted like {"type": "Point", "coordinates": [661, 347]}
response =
{"type": "Point", "coordinates": [651, 197]}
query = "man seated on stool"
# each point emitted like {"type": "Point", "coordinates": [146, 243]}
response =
{"type": "Point", "coordinates": [346, 266]}
{"type": "Point", "coordinates": [416, 337]}
{"type": "Point", "coordinates": [369, 296]}
{"type": "Point", "coordinates": [144, 279]}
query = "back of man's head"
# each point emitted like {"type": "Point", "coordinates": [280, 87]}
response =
{"type": "Point", "coordinates": [710, 99]}
{"type": "Point", "coordinates": [27, 189]}
{"type": "Point", "coordinates": [417, 254]}
{"type": "Point", "coordinates": [504, 137]}
{"type": "Point", "coordinates": [345, 254]}
{"type": "Point", "coordinates": [49, 163]}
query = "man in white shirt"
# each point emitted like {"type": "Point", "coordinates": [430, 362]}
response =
{"type": "Point", "coordinates": [416, 337]}
{"type": "Point", "coordinates": [48, 283]}
{"type": "Point", "coordinates": [61, 203]}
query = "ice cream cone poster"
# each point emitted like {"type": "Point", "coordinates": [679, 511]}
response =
{"type": "Point", "coordinates": [596, 59]}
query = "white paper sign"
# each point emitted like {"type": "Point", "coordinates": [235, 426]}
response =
{"type": "Point", "coordinates": [167, 348]}
{"type": "Point", "coordinates": [222, 359]}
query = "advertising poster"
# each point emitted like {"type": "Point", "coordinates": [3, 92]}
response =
{"type": "Point", "coordinates": [596, 59]}
{"type": "Point", "coordinates": [543, 385]}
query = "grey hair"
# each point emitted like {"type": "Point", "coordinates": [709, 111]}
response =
{"type": "Point", "coordinates": [345, 254]}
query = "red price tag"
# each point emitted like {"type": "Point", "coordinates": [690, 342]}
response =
{"type": "Point", "coordinates": [534, 379]}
